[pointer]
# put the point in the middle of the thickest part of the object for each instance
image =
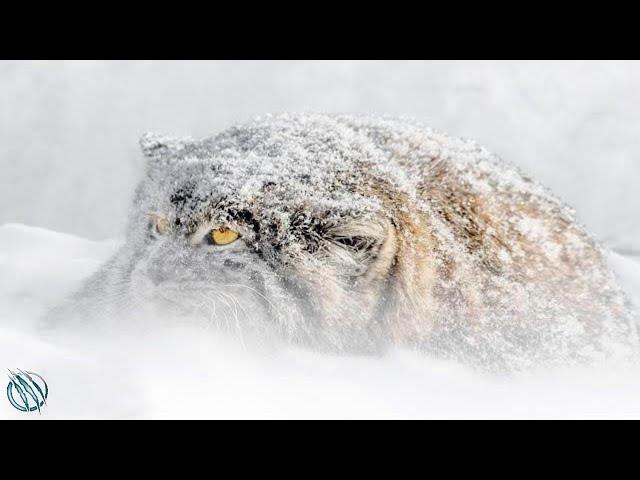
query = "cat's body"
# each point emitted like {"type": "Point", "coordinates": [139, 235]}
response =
{"type": "Point", "coordinates": [360, 232]}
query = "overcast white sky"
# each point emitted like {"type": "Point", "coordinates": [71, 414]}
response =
{"type": "Point", "coordinates": [68, 130]}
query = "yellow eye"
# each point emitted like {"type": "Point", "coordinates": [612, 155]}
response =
{"type": "Point", "coordinates": [223, 236]}
{"type": "Point", "coordinates": [160, 223]}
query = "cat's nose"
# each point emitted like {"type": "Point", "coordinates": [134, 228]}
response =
{"type": "Point", "coordinates": [167, 268]}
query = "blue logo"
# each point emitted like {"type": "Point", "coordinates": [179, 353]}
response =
{"type": "Point", "coordinates": [27, 391]}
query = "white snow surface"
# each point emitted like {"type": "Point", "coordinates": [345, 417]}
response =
{"type": "Point", "coordinates": [190, 372]}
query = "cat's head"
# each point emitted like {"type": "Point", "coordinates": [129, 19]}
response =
{"type": "Point", "coordinates": [283, 227]}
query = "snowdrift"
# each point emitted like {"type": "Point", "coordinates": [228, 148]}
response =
{"type": "Point", "coordinates": [180, 371]}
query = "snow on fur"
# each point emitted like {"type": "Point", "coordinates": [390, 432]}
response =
{"type": "Point", "coordinates": [513, 281]}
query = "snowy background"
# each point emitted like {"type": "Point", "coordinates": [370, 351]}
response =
{"type": "Point", "coordinates": [69, 130]}
{"type": "Point", "coordinates": [69, 161]}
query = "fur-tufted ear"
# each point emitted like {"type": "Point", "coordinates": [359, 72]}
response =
{"type": "Point", "coordinates": [156, 146]}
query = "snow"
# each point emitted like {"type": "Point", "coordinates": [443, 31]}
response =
{"type": "Point", "coordinates": [190, 372]}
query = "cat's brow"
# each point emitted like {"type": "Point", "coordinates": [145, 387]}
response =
{"type": "Point", "coordinates": [200, 232]}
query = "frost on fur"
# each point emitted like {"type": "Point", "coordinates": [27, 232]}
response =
{"type": "Point", "coordinates": [361, 232]}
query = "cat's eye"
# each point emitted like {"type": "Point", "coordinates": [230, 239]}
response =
{"type": "Point", "coordinates": [159, 224]}
{"type": "Point", "coordinates": [222, 236]}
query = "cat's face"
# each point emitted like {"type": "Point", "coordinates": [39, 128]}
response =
{"type": "Point", "coordinates": [248, 243]}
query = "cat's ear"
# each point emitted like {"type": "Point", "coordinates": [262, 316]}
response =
{"type": "Point", "coordinates": [156, 146]}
